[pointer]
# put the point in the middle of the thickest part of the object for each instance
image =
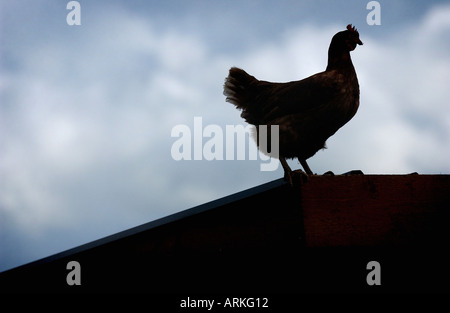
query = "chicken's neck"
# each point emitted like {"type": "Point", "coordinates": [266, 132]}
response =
{"type": "Point", "coordinates": [339, 61]}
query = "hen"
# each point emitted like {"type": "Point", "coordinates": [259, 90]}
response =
{"type": "Point", "coordinates": [307, 111]}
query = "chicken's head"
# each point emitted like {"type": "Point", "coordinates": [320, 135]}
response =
{"type": "Point", "coordinates": [351, 37]}
{"type": "Point", "coordinates": [345, 41]}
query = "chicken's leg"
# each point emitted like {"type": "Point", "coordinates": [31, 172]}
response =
{"type": "Point", "coordinates": [287, 170]}
{"type": "Point", "coordinates": [305, 166]}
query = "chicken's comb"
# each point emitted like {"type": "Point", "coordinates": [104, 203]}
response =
{"type": "Point", "coordinates": [352, 28]}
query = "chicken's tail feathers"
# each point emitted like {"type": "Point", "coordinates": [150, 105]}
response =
{"type": "Point", "coordinates": [237, 86]}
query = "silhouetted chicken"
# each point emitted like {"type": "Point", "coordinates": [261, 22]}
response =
{"type": "Point", "coordinates": [307, 111]}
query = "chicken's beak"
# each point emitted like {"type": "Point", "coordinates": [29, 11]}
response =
{"type": "Point", "coordinates": [359, 42]}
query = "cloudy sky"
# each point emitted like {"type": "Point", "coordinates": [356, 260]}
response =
{"type": "Point", "coordinates": [86, 112]}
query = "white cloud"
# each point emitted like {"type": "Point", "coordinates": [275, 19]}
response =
{"type": "Point", "coordinates": [405, 89]}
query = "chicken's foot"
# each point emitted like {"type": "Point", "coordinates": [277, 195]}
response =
{"type": "Point", "coordinates": [305, 166]}
{"type": "Point", "coordinates": [292, 176]}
